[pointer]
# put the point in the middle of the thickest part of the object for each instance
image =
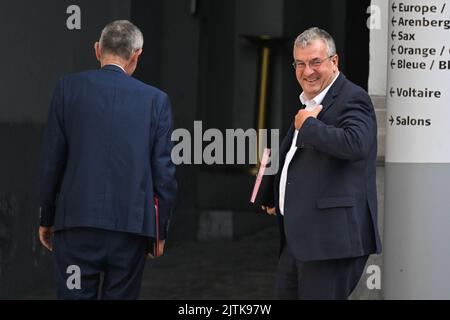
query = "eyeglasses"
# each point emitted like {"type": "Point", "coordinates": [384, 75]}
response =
{"type": "Point", "coordinates": [313, 64]}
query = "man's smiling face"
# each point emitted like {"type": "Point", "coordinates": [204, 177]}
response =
{"type": "Point", "coordinates": [315, 69]}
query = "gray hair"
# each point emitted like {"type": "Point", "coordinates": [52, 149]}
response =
{"type": "Point", "coordinates": [121, 38]}
{"type": "Point", "coordinates": [307, 36]}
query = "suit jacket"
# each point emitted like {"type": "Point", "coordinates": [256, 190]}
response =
{"type": "Point", "coordinates": [330, 208]}
{"type": "Point", "coordinates": [106, 153]}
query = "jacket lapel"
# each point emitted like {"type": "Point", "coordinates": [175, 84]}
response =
{"type": "Point", "coordinates": [332, 94]}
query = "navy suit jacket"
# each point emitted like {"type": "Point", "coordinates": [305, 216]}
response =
{"type": "Point", "coordinates": [330, 208]}
{"type": "Point", "coordinates": [106, 153]}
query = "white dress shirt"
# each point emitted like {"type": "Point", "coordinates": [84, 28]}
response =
{"type": "Point", "coordinates": [310, 104]}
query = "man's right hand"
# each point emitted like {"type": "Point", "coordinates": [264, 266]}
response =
{"type": "Point", "coordinates": [304, 114]}
{"type": "Point", "coordinates": [46, 237]}
{"type": "Point", "coordinates": [270, 211]}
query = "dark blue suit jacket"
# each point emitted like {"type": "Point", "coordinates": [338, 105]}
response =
{"type": "Point", "coordinates": [331, 199]}
{"type": "Point", "coordinates": [106, 153]}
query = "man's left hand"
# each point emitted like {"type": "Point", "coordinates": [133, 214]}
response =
{"type": "Point", "coordinates": [304, 114]}
{"type": "Point", "coordinates": [270, 210]}
{"type": "Point", "coordinates": [160, 250]}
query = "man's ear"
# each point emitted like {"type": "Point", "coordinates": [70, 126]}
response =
{"type": "Point", "coordinates": [98, 54]}
{"type": "Point", "coordinates": [136, 55]}
{"type": "Point", "coordinates": [336, 61]}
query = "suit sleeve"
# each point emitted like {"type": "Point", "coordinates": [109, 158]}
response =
{"type": "Point", "coordinates": [53, 158]}
{"type": "Point", "coordinates": [352, 137]}
{"type": "Point", "coordinates": [163, 169]}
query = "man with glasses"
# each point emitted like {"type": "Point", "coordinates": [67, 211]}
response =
{"type": "Point", "coordinates": [325, 194]}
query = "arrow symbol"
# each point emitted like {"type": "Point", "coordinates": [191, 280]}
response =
{"type": "Point", "coordinates": [393, 21]}
{"type": "Point", "coordinates": [391, 120]}
{"type": "Point", "coordinates": [392, 49]}
{"type": "Point", "coordinates": [394, 7]}
{"type": "Point", "coordinates": [393, 35]}
{"type": "Point", "coordinates": [392, 63]}
{"type": "Point", "coordinates": [392, 92]}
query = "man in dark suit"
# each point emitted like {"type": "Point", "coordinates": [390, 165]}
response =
{"type": "Point", "coordinates": [325, 195]}
{"type": "Point", "coordinates": [106, 154]}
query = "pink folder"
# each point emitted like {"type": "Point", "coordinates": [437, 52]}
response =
{"type": "Point", "coordinates": [262, 169]}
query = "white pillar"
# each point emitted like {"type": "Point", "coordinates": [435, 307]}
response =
{"type": "Point", "coordinates": [417, 197]}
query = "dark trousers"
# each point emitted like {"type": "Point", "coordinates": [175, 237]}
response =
{"type": "Point", "coordinates": [317, 280]}
{"type": "Point", "coordinates": [82, 255]}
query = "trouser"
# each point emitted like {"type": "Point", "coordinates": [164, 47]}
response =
{"type": "Point", "coordinates": [83, 255]}
{"type": "Point", "coordinates": [310, 280]}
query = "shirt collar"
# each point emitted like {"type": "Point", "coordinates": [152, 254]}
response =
{"type": "Point", "coordinates": [114, 64]}
{"type": "Point", "coordinates": [317, 99]}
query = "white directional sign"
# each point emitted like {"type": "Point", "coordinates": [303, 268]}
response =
{"type": "Point", "coordinates": [418, 92]}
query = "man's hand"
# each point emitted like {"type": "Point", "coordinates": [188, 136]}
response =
{"type": "Point", "coordinates": [270, 211]}
{"type": "Point", "coordinates": [46, 237]}
{"type": "Point", "coordinates": [160, 249]}
{"type": "Point", "coordinates": [304, 114]}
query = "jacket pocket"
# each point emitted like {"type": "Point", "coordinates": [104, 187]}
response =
{"type": "Point", "coordinates": [335, 202]}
